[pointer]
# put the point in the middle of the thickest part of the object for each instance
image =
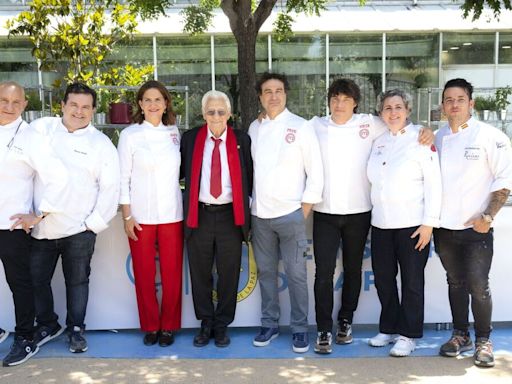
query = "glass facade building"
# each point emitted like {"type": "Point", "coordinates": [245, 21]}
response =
{"type": "Point", "coordinates": [375, 60]}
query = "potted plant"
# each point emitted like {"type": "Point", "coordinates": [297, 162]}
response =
{"type": "Point", "coordinates": [34, 106]}
{"type": "Point", "coordinates": [502, 102]}
{"type": "Point", "coordinates": [484, 105]}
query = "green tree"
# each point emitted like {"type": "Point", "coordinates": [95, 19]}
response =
{"type": "Point", "coordinates": [79, 34]}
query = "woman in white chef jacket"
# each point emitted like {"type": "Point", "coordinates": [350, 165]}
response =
{"type": "Point", "coordinates": [406, 197]}
{"type": "Point", "coordinates": [151, 203]}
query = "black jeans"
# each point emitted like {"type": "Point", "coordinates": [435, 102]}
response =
{"type": "Point", "coordinates": [76, 252]}
{"type": "Point", "coordinates": [217, 240]}
{"type": "Point", "coordinates": [391, 248]}
{"type": "Point", "coordinates": [328, 230]}
{"type": "Point", "coordinates": [466, 256]}
{"type": "Point", "coordinates": [15, 256]}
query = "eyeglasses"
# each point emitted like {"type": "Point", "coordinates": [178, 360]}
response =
{"type": "Point", "coordinates": [219, 112]}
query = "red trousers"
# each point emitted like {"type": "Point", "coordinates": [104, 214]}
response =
{"type": "Point", "coordinates": [169, 240]}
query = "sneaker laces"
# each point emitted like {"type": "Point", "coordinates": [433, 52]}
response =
{"type": "Point", "coordinates": [300, 336]}
{"type": "Point", "coordinates": [323, 337]}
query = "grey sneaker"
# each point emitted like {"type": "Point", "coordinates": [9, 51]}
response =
{"type": "Point", "coordinates": [77, 342]}
{"type": "Point", "coordinates": [323, 343]}
{"type": "Point", "coordinates": [344, 332]}
{"type": "Point", "coordinates": [484, 357]}
{"type": "Point", "coordinates": [44, 333]}
{"type": "Point", "coordinates": [458, 343]}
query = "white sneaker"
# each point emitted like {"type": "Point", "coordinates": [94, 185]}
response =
{"type": "Point", "coordinates": [403, 347]}
{"type": "Point", "coordinates": [382, 339]}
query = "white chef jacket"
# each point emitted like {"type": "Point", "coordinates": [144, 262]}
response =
{"type": "Point", "coordinates": [150, 161]}
{"type": "Point", "coordinates": [287, 165]}
{"type": "Point", "coordinates": [405, 181]}
{"type": "Point", "coordinates": [22, 155]}
{"type": "Point", "coordinates": [205, 196]}
{"type": "Point", "coordinates": [475, 161]}
{"type": "Point", "coordinates": [345, 150]}
{"type": "Point", "coordinates": [92, 194]}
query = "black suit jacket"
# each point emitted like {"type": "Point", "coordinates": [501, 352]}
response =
{"type": "Point", "coordinates": [244, 151]}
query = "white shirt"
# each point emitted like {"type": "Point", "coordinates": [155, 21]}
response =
{"type": "Point", "coordinates": [226, 195]}
{"type": "Point", "coordinates": [405, 181]}
{"type": "Point", "coordinates": [475, 161]}
{"type": "Point", "coordinates": [150, 161]}
{"type": "Point", "coordinates": [22, 155]}
{"type": "Point", "coordinates": [92, 194]}
{"type": "Point", "coordinates": [345, 151]}
{"type": "Point", "coordinates": [287, 165]}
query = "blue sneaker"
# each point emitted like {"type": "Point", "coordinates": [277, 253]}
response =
{"type": "Point", "coordinates": [21, 350]}
{"type": "Point", "coordinates": [300, 342]}
{"type": "Point", "coordinates": [265, 336]}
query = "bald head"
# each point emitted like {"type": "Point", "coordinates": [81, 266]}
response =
{"type": "Point", "coordinates": [12, 101]}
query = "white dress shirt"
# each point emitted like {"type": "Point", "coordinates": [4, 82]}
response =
{"type": "Point", "coordinates": [287, 165]}
{"type": "Point", "coordinates": [345, 151]}
{"type": "Point", "coordinates": [150, 161]}
{"type": "Point", "coordinates": [405, 181]}
{"type": "Point", "coordinates": [23, 154]}
{"type": "Point", "coordinates": [475, 161]}
{"type": "Point", "coordinates": [92, 194]}
{"type": "Point", "coordinates": [205, 196]}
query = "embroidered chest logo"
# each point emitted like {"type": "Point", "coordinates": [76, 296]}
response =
{"type": "Point", "coordinates": [290, 135]}
{"type": "Point", "coordinates": [174, 138]}
{"type": "Point", "coordinates": [364, 132]}
{"type": "Point", "coordinates": [472, 153]}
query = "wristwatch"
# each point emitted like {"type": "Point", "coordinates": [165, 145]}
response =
{"type": "Point", "coordinates": [487, 218]}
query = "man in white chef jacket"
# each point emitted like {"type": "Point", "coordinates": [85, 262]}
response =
{"type": "Point", "coordinates": [476, 169]}
{"type": "Point", "coordinates": [90, 202]}
{"type": "Point", "coordinates": [288, 180]}
{"type": "Point", "coordinates": [23, 154]}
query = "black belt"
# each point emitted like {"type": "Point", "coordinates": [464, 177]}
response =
{"type": "Point", "coordinates": [215, 207]}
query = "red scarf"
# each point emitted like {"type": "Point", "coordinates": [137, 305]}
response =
{"type": "Point", "coordinates": [235, 172]}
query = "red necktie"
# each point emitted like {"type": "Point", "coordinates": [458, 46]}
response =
{"type": "Point", "coordinates": [215, 176]}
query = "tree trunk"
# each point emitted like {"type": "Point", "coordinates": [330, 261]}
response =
{"type": "Point", "coordinates": [249, 103]}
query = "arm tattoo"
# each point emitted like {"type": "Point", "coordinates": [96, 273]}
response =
{"type": "Point", "coordinates": [498, 199]}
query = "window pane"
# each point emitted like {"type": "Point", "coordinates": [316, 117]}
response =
{"type": "Point", "coordinates": [186, 60]}
{"type": "Point", "coordinates": [302, 59]}
{"type": "Point", "coordinates": [17, 62]}
{"type": "Point", "coordinates": [358, 57]}
{"type": "Point", "coordinates": [226, 67]}
{"type": "Point", "coordinates": [505, 50]}
{"type": "Point", "coordinates": [468, 48]}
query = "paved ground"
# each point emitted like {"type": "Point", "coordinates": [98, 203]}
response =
{"type": "Point", "coordinates": [413, 370]}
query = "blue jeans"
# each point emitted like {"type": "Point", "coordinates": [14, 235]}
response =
{"type": "Point", "coordinates": [282, 237]}
{"type": "Point", "coordinates": [76, 252]}
{"type": "Point", "coordinates": [466, 256]}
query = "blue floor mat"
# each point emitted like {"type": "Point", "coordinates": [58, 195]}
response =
{"type": "Point", "coordinates": [128, 344]}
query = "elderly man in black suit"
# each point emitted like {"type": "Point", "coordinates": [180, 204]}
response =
{"type": "Point", "coordinates": [217, 166]}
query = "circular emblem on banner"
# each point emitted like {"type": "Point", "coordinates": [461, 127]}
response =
{"type": "Point", "coordinates": [290, 138]}
{"type": "Point", "coordinates": [364, 133]}
{"type": "Point", "coordinates": [248, 275]}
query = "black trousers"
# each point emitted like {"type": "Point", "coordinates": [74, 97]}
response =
{"type": "Point", "coordinates": [391, 248]}
{"type": "Point", "coordinates": [467, 256]}
{"type": "Point", "coordinates": [328, 230]}
{"type": "Point", "coordinates": [15, 256]}
{"type": "Point", "coordinates": [218, 240]}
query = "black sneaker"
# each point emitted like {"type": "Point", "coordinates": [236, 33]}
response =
{"type": "Point", "coordinates": [77, 342]}
{"type": "Point", "coordinates": [458, 343]}
{"type": "Point", "coordinates": [3, 335]}
{"type": "Point", "coordinates": [21, 350]}
{"type": "Point", "coordinates": [484, 356]}
{"type": "Point", "coordinates": [344, 332]}
{"type": "Point", "coordinates": [44, 333]}
{"type": "Point", "coordinates": [323, 343]}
